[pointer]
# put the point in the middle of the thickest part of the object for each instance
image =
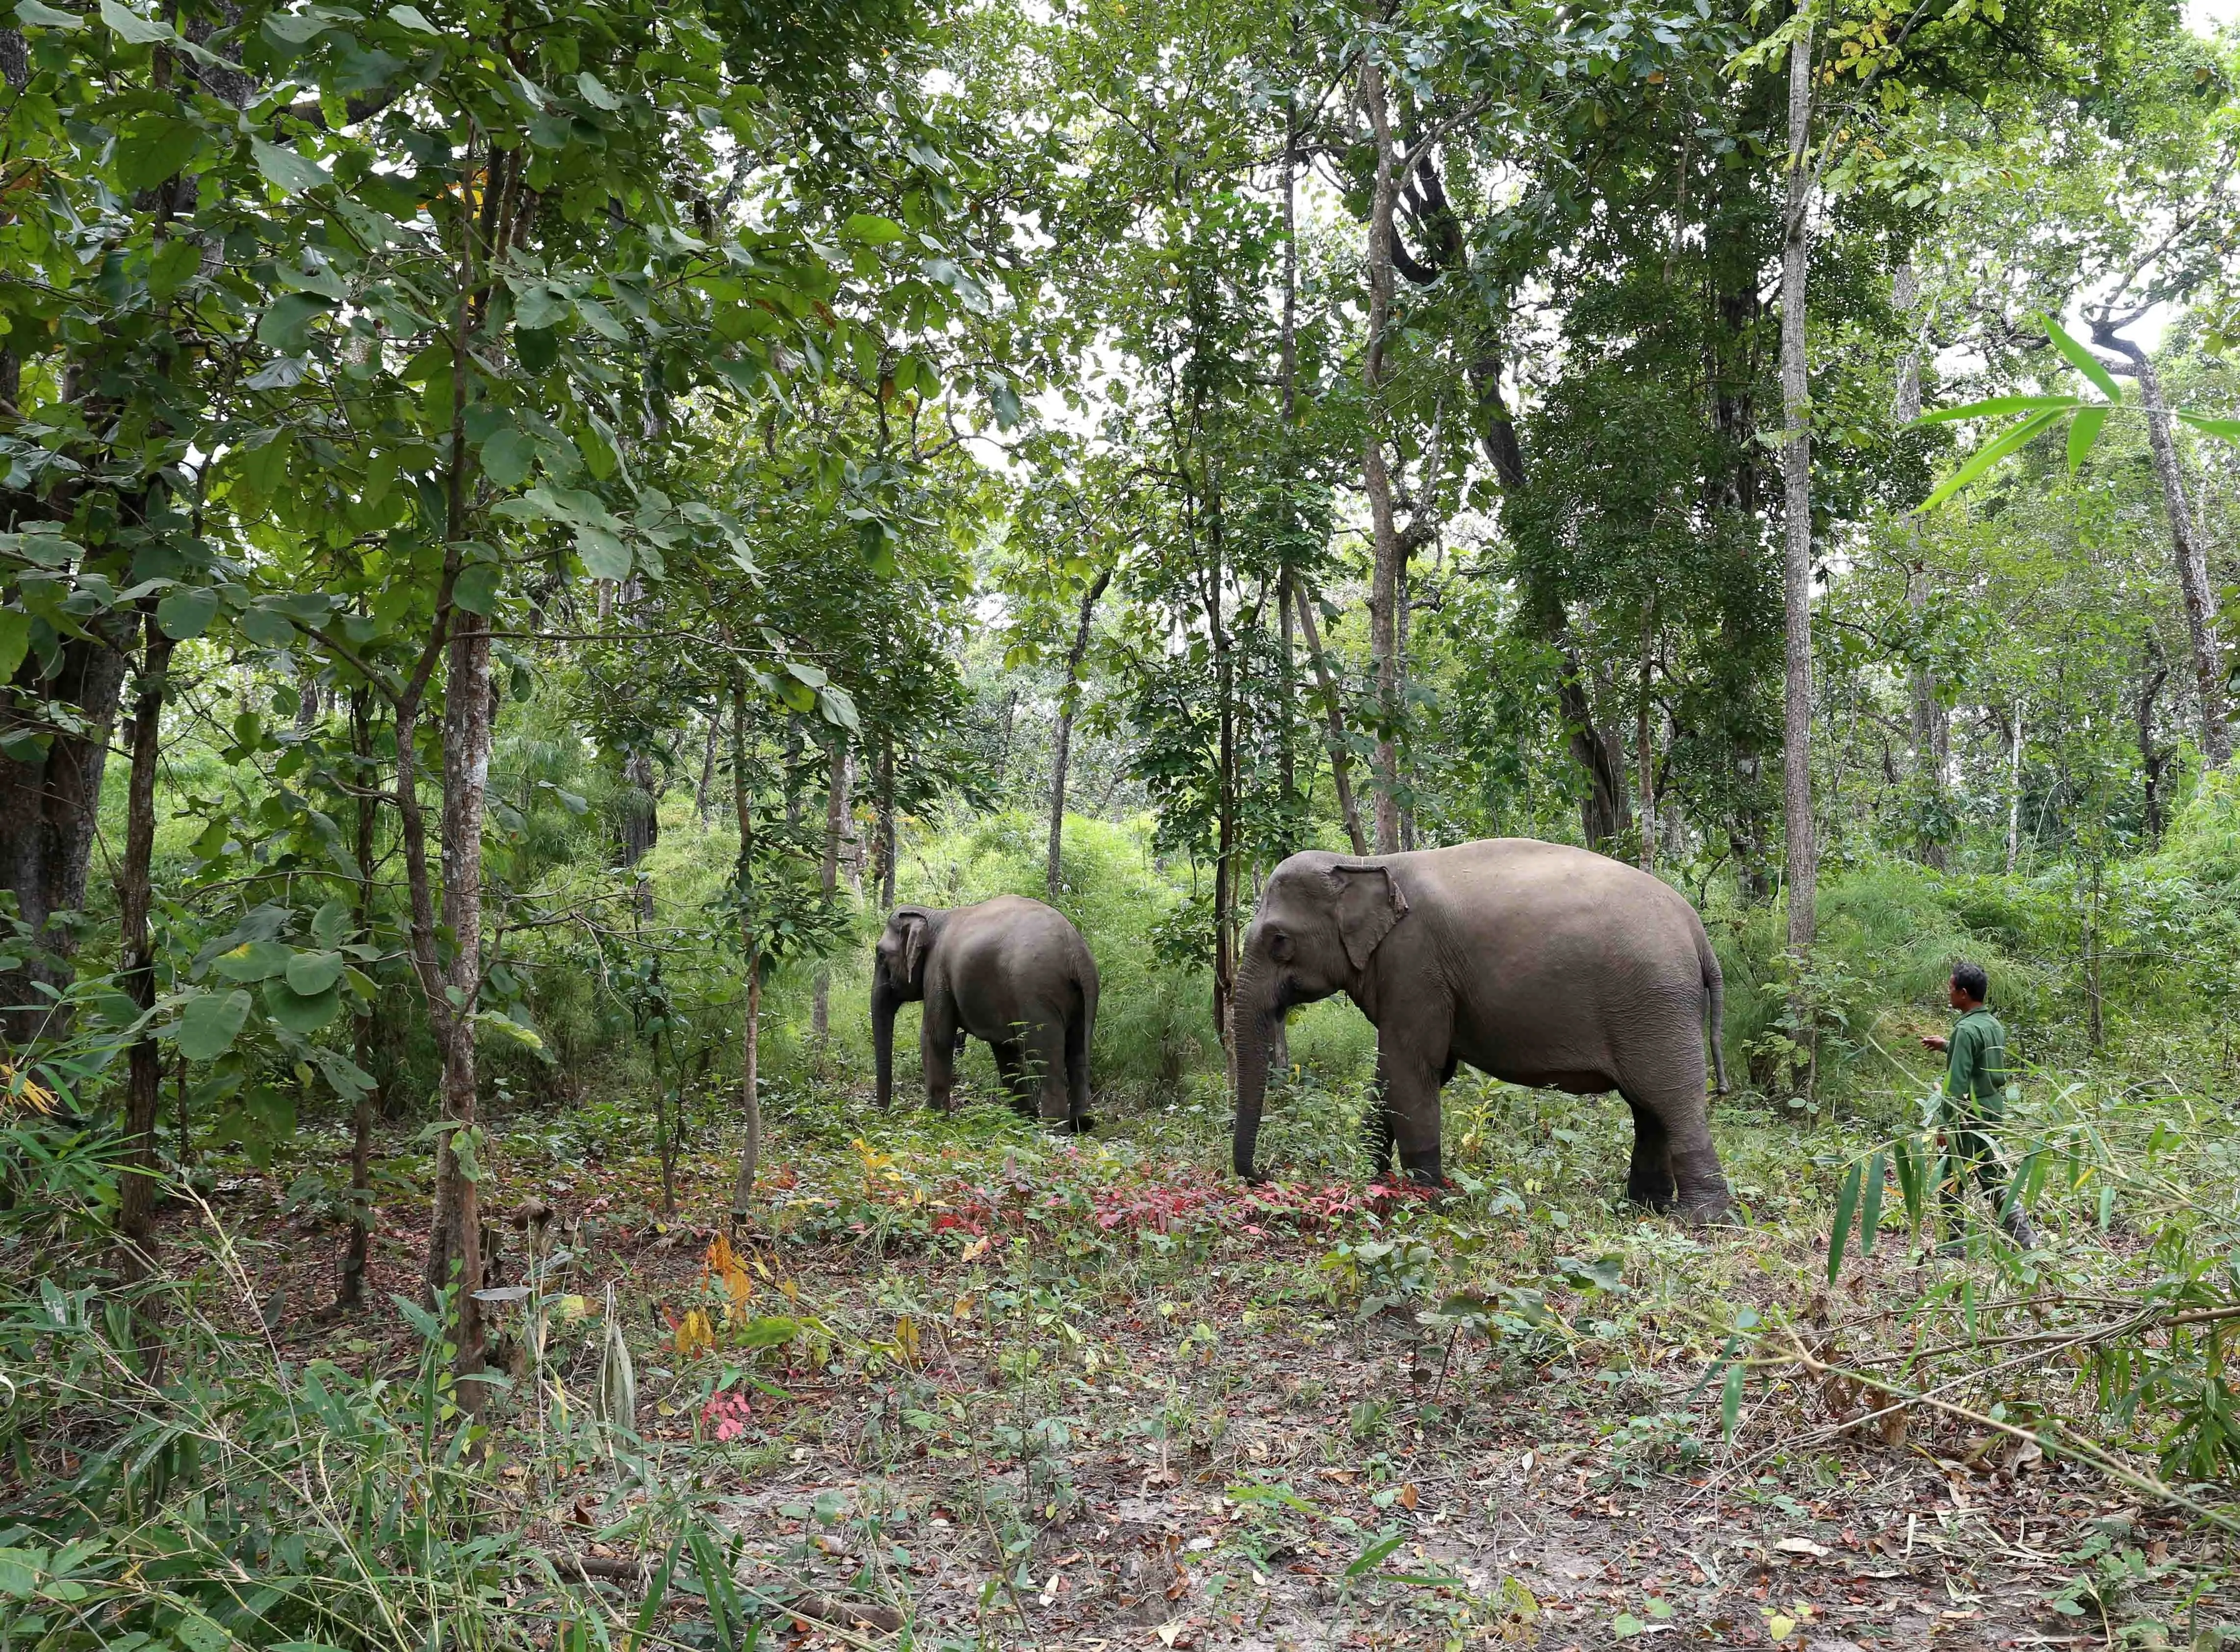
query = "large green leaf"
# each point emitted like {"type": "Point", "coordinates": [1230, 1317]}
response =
{"type": "Point", "coordinates": [254, 960]}
{"type": "Point", "coordinates": [211, 1024]}
{"type": "Point", "coordinates": [131, 26]}
{"type": "Point", "coordinates": [284, 169]}
{"type": "Point", "coordinates": [2084, 431]}
{"type": "Point", "coordinates": [15, 640]}
{"type": "Point", "coordinates": [186, 610]}
{"type": "Point", "coordinates": [302, 1012]}
{"type": "Point", "coordinates": [311, 973]}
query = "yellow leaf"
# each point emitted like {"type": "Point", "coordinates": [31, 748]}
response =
{"type": "Point", "coordinates": [1781, 1628]}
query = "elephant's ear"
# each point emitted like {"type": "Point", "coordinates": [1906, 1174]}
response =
{"type": "Point", "coordinates": [915, 927]}
{"type": "Point", "coordinates": [1370, 902]}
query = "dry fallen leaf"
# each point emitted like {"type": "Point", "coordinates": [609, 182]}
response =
{"type": "Point", "coordinates": [1407, 1496]}
{"type": "Point", "coordinates": [1802, 1546]}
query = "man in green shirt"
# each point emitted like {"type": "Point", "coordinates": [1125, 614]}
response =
{"type": "Point", "coordinates": [1976, 1094]}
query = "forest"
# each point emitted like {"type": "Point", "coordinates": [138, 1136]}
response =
{"type": "Point", "coordinates": [656, 664]}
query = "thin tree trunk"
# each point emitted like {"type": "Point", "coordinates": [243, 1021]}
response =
{"type": "Point", "coordinates": [2152, 760]}
{"type": "Point", "coordinates": [887, 825]}
{"type": "Point", "coordinates": [701, 795]}
{"type": "Point", "coordinates": [2014, 787]}
{"type": "Point", "coordinates": [836, 822]}
{"type": "Point", "coordinates": [2198, 596]}
{"type": "Point", "coordinates": [456, 1242]}
{"type": "Point", "coordinates": [1376, 481]}
{"type": "Point", "coordinates": [1645, 748]}
{"type": "Point", "coordinates": [1341, 768]}
{"type": "Point", "coordinates": [350, 1290]}
{"type": "Point", "coordinates": [1929, 735]}
{"type": "Point", "coordinates": [1802, 862]}
{"type": "Point", "coordinates": [1062, 743]}
{"type": "Point", "coordinates": [750, 1104]}
{"type": "Point", "coordinates": [134, 894]}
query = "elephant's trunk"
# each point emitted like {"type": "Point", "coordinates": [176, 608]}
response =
{"type": "Point", "coordinates": [1251, 1015]}
{"type": "Point", "coordinates": [884, 1000]}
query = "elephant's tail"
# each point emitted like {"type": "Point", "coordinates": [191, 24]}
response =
{"type": "Point", "coordinates": [1715, 989]}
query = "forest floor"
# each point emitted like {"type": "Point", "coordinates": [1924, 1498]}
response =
{"type": "Point", "coordinates": [1094, 1395]}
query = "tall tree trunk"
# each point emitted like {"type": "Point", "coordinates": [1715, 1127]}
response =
{"type": "Point", "coordinates": [1376, 481]}
{"type": "Point", "coordinates": [455, 1247]}
{"type": "Point", "coordinates": [143, 1083]}
{"type": "Point", "coordinates": [641, 826]}
{"type": "Point", "coordinates": [835, 827]}
{"type": "Point", "coordinates": [1224, 864]}
{"type": "Point", "coordinates": [887, 824]}
{"type": "Point", "coordinates": [350, 1290]}
{"type": "Point", "coordinates": [2198, 596]}
{"type": "Point", "coordinates": [1062, 742]}
{"type": "Point", "coordinates": [1931, 730]}
{"type": "Point", "coordinates": [49, 808]}
{"type": "Point", "coordinates": [750, 1103]}
{"type": "Point", "coordinates": [1341, 766]}
{"type": "Point", "coordinates": [1804, 858]}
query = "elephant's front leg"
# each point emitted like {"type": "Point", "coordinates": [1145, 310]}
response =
{"type": "Point", "coordinates": [938, 1039]}
{"type": "Point", "coordinates": [1409, 1085]}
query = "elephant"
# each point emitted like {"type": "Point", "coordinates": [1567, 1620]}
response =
{"type": "Point", "coordinates": [1535, 963]}
{"type": "Point", "coordinates": [1010, 971]}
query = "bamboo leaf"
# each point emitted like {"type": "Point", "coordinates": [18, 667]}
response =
{"type": "Point", "coordinates": [1870, 1202]}
{"type": "Point", "coordinates": [1991, 455]}
{"type": "Point", "coordinates": [1997, 404]}
{"type": "Point", "coordinates": [2229, 428]}
{"type": "Point", "coordinates": [1908, 1179]}
{"type": "Point", "coordinates": [2084, 431]}
{"type": "Point", "coordinates": [1847, 1202]}
{"type": "Point", "coordinates": [1730, 1401]}
{"type": "Point", "coordinates": [2084, 360]}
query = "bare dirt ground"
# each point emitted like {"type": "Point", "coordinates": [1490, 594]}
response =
{"type": "Point", "coordinates": [1052, 1432]}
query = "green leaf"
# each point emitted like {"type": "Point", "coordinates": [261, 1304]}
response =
{"type": "Point", "coordinates": [2084, 431]}
{"type": "Point", "coordinates": [412, 18]}
{"type": "Point", "coordinates": [131, 26]}
{"type": "Point", "coordinates": [210, 1024]}
{"type": "Point", "coordinates": [1909, 1178]}
{"type": "Point", "coordinates": [349, 1080]}
{"type": "Point", "coordinates": [1871, 1202]}
{"type": "Point", "coordinates": [871, 230]}
{"type": "Point", "coordinates": [32, 15]}
{"type": "Point", "coordinates": [198, 1633]}
{"type": "Point", "coordinates": [19, 1572]}
{"type": "Point", "coordinates": [296, 28]}
{"type": "Point", "coordinates": [605, 555]}
{"type": "Point", "coordinates": [185, 611]}
{"type": "Point", "coordinates": [1992, 452]}
{"type": "Point", "coordinates": [286, 326]}
{"type": "Point", "coordinates": [268, 628]}
{"type": "Point", "coordinates": [2083, 360]}
{"type": "Point", "coordinates": [254, 960]}
{"type": "Point", "coordinates": [2229, 428]}
{"type": "Point", "coordinates": [331, 925]}
{"type": "Point", "coordinates": [509, 457]}
{"type": "Point", "coordinates": [1730, 1401]}
{"type": "Point", "coordinates": [302, 1013]}
{"type": "Point", "coordinates": [151, 149]}
{"type": "Point", "coordinates": [1997, 404]}
{"type": "Point", "coordinates": [1373, 1556]}
{"type": "Point", "coordinates": [1847, 1204]}
{"type": "Point", "coordinates": [475, 589]}
{"type": "Point", "coordinates": [175, 264]}
{"type": "Point", "coordinates": [15, 640]}
{"type": "Point", "coordinates": [311, 973]}
{"type": "Point", "coordinates": [283, 169]}
{"type": "Point", "coordinates": [595, 94]}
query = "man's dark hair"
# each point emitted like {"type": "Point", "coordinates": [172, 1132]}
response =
{"type": "Point", "coordinates": [1971, 980]}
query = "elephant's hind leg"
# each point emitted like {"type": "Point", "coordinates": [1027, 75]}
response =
{"type": "Point", "coordinates": [1046, 1073]}
{"type": "Point", "coordinates": [1679, 1110]}
{"type": "Point", "coordinates": [1649, 1181]}
{"type": "Point", "coordinates": [1011, 1068]}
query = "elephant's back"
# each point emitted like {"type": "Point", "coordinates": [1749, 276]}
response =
{"type": "Point", "coordinates": [1558, 904]}
{"type": "Point", "coordinates": [1016, 930]}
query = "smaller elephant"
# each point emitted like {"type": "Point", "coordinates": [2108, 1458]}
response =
{"type": "Point", "coordinates": [1012, 972]}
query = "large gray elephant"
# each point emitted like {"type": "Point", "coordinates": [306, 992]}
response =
{"type": "Point", "coordinates": [1535, 963]}
{"type": "Point", "coordinates": [1010, 971]}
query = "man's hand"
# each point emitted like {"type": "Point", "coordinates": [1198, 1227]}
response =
{"type": "Point", "coordinates": [1935, 1043]}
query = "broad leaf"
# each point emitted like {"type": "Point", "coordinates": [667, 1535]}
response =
{"type": "Point", "coordinates": [211, 1024]}
{"type": "Point", "coordinates": [302, 1013]}
{"type": "Point", "coordinates": [284, 169]}
{"type": "Point", "coordinates": [15, 640]}
{"type": "Point", "coordinates": [309, 973]}
{"type": "Point", "coordinates": [2084, 431]}
{"type": "Point", "coordinates": [131, 25]}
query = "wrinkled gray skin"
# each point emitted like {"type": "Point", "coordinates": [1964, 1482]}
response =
{"type": "Point", "coordinates": [1012, 972]}
{"type": "Point", "coordinates": [1537, 963]}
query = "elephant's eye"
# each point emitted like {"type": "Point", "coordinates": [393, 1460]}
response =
{"type": "Point", "coordinates": [1279, 946]}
